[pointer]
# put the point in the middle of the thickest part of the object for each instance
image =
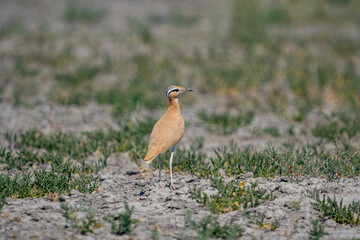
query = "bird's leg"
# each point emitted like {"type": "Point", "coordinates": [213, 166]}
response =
{"type": "Point", "coordinates": [171, 180]}
{"type": "Point", "coordinates": [171, 159]}
{"type": "Point", "coordinates": [159, 168]}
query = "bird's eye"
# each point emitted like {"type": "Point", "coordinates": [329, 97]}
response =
{"type": "Point", "coordinates": [176, 90]}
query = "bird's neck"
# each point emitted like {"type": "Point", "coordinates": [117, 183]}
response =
{"type": "Point", "coordinates": [174, 106]}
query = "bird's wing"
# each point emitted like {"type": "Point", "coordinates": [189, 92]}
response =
{"type": "Point", "coordinates": [165, 134]}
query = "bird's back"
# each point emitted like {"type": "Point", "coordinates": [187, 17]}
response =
{"type": "Point", "coordinates": [166, 133]}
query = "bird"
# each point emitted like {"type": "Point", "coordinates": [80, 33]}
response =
{"type": "Point", "coordinates": [168, 131]}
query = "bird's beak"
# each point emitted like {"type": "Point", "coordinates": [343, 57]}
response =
{"type": "Point", "coordinates": [188, 90]}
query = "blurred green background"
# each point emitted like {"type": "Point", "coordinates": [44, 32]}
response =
{"type": "Point", "coordinates": [285, 57]}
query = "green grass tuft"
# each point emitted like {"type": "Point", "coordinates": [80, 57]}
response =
{"type": "Point", "coordinates": [66, 154]}
{"type": "Point", "coordinates": [60, 180]}
{"type": "Point", "coordinates": [11, 27]}
{"type": "Point", "coordinates": [225, 123]}
{"type": "Point", "coordinates": [231, 196]}
{"type": "Point", "coordinates": [317, 231]}
{"type": "Point", "coordinates": [296, 204]}
{"type": "Point", "coordinates": [86, 224]}
{"type": "Point", "coordinates": [349, 214]}
{"type": "Point", "coordinates": [122, 223]}
{"type": "Point", "coordinates": [247, 25]}
{"type": "Point", "coordinates": [142, 30]}
{"type": "Point", "coordinates": [258, 218]}
{"type": "Point", "coordinates": [79, 75]}
{"type": "Point", "coordinates": [79, 13]}
{"type": "Point", "coordinates": [23, 69]}
{"type": "Point", "coordinates": [255, 218]}
{"type": "Point", "coordinates": [188, 160]}
{"type": "Point", "coordinates": [276, 14]}
{"type": "Point", "coordinates": [174, 18]}
{"type": "Point", "coordinates": [209, 227]}
{"type": "Point", "coordinates": [297, 164]}
{"type": "Point", "coordinates": [272, 130]}
{"type": "Point", "coordinates": [155, 234]}
{"type": "Point", "coordinates": [338, 125]}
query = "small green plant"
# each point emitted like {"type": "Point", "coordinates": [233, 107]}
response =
{"type": "Point", "coordinates": [276, 14]}
{"type": "Point", "coordinates": [18, 160]}
{"type": "Point", "coordinates": [231, 196]}
{"type": "Point", "coordinates": [210, 228]}
{"type": "Point", "coordinates": [81, 74]}
{"type": "Point", "coordinates": [296, 204]}
{"type": "Point", "coordinates": [274, 224]}
{"type": "Point", "coordinates": [67, 156]}
{"type": "Point", "coordinates": [76, 12]}
{"type": "Point", "coordinates": [255, 238]}
{"type": "Point", "coordinates": [137, 93]}
{"type": "Point", "coordinates": [2, 200]}
{"type": "Point", "coordinates": [60, 143]}
{"type": "Point", "coordinates": [291, 130]}
{"type": "Point", "coordinates": [330, 131]}
{"type": "Point", "coordinates": [155, 234]}
{"type": "Point", "coordinates": [339, 124]}
{"type": "Point", "coordinates": [11, 27]}
{"type": "Point", "coordinates": [143, 30]}
{"type": "Point", "coordinates": [272, 130]}
{"type": "Point", "coordinates": [40, 183]}
{"type": "Point", "coordinates": [189, 160]}
{"type": "Point", "coordinates": [127, 100]}
{"type": "Point", "coordinates": [258, 218]}
{"type": "Point", "coordinates": [75, 86]}
{"type": "Point", "coordinates": [225, 123]}
{"type": "Point", "coordinates": [317, 231]}
{"type": "Point", "coordinates": [23, 69]}
{"type": "Point", "coordinates": [255, 218]}
{"type": "Point", "coordinates": [297, 164]}
{"type": "Point", "coordinates": [21, 92]}
{"type": "Point", "coordinates": [122, 223]}
{"type": "Point", "coordinates": [86, 224]}
{"type": "Point", "coordinates": [303, 109]}
{"type": "Point", "coordinates": [57, 60]}
{"type": "Point", "coordinates": [174, 18]}
{"type": "Point", "coordinates": [349, 214]}
{"type": "Point", "coordinates": [247, 26]}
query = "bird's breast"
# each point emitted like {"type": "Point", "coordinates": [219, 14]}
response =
{"type": "Point", "coordinates": [167, 132]}
{"type": "Point", "coordinates": [173, 123]}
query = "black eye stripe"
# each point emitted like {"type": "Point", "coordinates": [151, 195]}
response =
{"type": "Point", "coordinates": [172, 90]}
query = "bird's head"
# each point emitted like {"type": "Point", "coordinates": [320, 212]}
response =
{"type": "Point", "coordinates": [175, 91]}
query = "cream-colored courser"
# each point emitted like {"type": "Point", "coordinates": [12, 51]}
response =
{"type": "Point", "coordinates": [168, 131]}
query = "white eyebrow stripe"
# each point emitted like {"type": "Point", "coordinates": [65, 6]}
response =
{"type": "Point", "coordinates": [168, 92]}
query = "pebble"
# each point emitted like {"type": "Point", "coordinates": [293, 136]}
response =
{"type": "Point", "coordinates": [63, 198]}
{"type": "Point", "coordinates": [74, 193]}
{"type": "Point", "coordinates": [187, 180]}
{"type": "Point", "coordinates": [330, 223]}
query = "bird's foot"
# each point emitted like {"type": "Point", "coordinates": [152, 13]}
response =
{"type": "Point", "coordinates": [172, 187]}
{"type": "Point", "coordinates": [160, 185]}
